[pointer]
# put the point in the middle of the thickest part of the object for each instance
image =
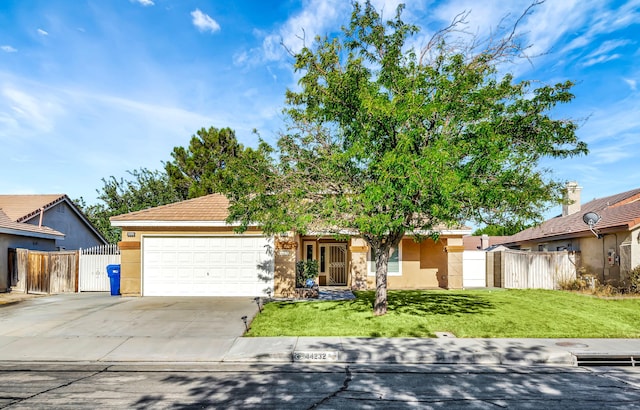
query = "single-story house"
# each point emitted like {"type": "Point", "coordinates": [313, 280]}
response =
{"type": "Point", "coordinates": [187, 248]}
{"type": "Point", "coordinates": [21, 235]}
{"type": "Point", "coordinates": [57, 212]}
{"type": "Point", "coordinates": [609, 249]}
{"type": "Point", "coordinates": [42, 223]}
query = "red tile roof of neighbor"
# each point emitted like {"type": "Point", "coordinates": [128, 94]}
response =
{"type": "Point", "coordinates": [617, 212]}
{"type": "Point", "coordinates": [21, 208]}
{"type": "Point", "coordinates": [211, 207]}
{"type": "Point", "coordinates": [473, 243]}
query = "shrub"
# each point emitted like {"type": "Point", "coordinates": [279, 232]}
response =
{"type": "Point", "coordinates": [633, 283]}
{"type": "Point", "coordinates": [305, 270]}
{"type": "Point", "coordinates": [588, 283]}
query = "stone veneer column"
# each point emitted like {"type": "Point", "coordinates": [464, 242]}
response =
{"type": "Point", "coordinates": [358, 263]}
{"type": "Point", "coordinates": [284, 280]}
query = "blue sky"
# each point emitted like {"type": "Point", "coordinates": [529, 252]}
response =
{"type": "Point", "coordinates": [92, 88]}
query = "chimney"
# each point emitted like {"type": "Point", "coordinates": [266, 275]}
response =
{"type": "Point", "coordinates": [484, 241]}
{"type": "Point", "coordinates": [571, 203]}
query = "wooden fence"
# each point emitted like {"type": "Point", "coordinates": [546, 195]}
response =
{"type": "Point", "coordinates": [44, 272]}
{"type": "Point", "coordinates": [531, 270]}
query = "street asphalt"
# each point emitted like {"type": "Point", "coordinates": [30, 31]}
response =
{"type": "Point", "coordinates": [97, 327]}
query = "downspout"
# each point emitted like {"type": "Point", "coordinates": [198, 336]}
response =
{"type": "Point", "coordinates": [41, 213]}
{"type": "Point", "coordinates": [604, 258]}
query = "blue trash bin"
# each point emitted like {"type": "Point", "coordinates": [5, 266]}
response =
{"type": "Point", "coordinates": [114, 278]}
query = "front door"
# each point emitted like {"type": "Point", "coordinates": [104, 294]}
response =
{"type": "Point", "coordinates": [333, 263]}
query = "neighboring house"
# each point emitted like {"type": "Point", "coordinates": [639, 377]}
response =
{"type": "Point", "coordinates": [187, 248]}
{"type": "Point", "coordinates": [483, 242]}
{"type": "Point", "coordinates": [609, 252]}
{"type": "Point", "coordinates": [57, 212]}
{"type": "Point", "coordinates": [22, 235]}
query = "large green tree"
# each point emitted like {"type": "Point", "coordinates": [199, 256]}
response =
{"type": "Point", "coordinates": [196, 170]}
{"type": "Point", "coordinates": [200, 168]}
{"type": "Point", "coordinates": [384, 139]}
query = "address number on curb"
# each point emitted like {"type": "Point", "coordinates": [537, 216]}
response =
{"type": "Point", "coordinates": [315, 356]}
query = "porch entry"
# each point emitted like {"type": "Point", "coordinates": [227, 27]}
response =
{"type": "Point", "coordinates": [332, 261]}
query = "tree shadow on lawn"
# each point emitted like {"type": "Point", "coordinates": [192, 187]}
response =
{"type": "Point", "coordinates": [412, 302]}
{"type": "Point", "coordinates": [430, 303]}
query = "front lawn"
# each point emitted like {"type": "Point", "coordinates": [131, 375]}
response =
{"type": "Point", "coordinates": [472, 313]}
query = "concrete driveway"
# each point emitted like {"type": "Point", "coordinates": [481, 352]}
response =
{"type": "Point", "coordinates": [100, 327]}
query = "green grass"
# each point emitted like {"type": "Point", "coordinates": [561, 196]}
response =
{"type": "Point", "coordinates": [473, 313]}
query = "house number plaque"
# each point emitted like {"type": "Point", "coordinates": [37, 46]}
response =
{"type": "Point", "coordinates": [315, 356]}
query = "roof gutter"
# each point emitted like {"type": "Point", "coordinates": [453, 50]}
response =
{"type": "Point", "coordinates": [571, 235]}
{"type": "Point", "coordinates": [163, 224]}
{"type": "Point", "coordinates": [19, 232]}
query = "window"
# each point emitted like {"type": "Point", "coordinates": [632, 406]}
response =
{"type": "Point", "coordinates": [309, 251]}
{"type": "Point", "coordinates": [395, 262]}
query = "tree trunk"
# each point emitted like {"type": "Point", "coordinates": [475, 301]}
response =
{"type": "Point", "coordinates": [382, 265]}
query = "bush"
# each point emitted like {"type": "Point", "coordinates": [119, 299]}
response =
{"type": "Point", "coordinates": [583, 282]}
{"type": "Point", "coordinates": [588, 283]}
{"type": "Point", "coordinates": [305, 270]}
{"type": "Point", "coordinates": [633, 283]}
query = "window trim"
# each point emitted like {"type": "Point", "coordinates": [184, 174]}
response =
{"type": "Point", "coordinates": [305, 244]}
{"type": "Point", "coordinates": [371, 272]}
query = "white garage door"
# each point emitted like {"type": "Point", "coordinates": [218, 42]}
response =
{"type": "Point", "coordinates": [206, 266]}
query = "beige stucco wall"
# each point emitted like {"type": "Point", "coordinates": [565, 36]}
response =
{"type": "Point", "coordinates": [424, 265]}
{"type": "Point", "coordinates": [635, 247]}
{"type": "Point", "coordinates": [591, 256]}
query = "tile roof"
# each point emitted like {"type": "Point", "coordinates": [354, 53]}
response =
{"type": "Point", "coordinates": [17, 228]}
{"type": "Point", "coordinates": [473, 243]}
{"type": "Point", "coordinates": [211, 207]}
{"type": "Point", "coordinates": [23, 207]}
{"type": "Point", "coordinates": [619, 211]}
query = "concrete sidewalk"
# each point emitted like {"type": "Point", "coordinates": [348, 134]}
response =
{"type": "Point", "coordinates": [428, 351]}
{"type": "Point", "coordinates": [313, 350]}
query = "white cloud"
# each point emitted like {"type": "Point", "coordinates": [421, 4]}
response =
{"type": "Point", "coordinates": [144, 2]}
{"type": "Point", "coordinates": [8, 49]}
{"type": "Point", "coordinates": [203, 22]}
{"type": "Point", "coordinates": [607, 46]}
{"type": "Point", "coordinates": [42, 32]}
{"type": "Point", "coordinates": [612, 122]}
{"type": "Point", "coordinates": [315, 19]}
{"type": "Point", "coordinates": [240, 58]}
{"type": "Point", "coordinates": [28, 111]}
{"type": "Point", "coordinates": [601, 55]}
{"type": "Point", "coordinates": [600, 20]}
{"type": "Point", "coordinates": [631, 82]}
{"type": "Point", "coordinates": [601, 59]}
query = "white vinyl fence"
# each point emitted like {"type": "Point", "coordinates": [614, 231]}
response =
{"type": "Point", "coordinates": [93, 267]}
{"type": "Point", "coordinates": [533, 270]}
{"type": "Point", "coordinates": [474, 269]}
